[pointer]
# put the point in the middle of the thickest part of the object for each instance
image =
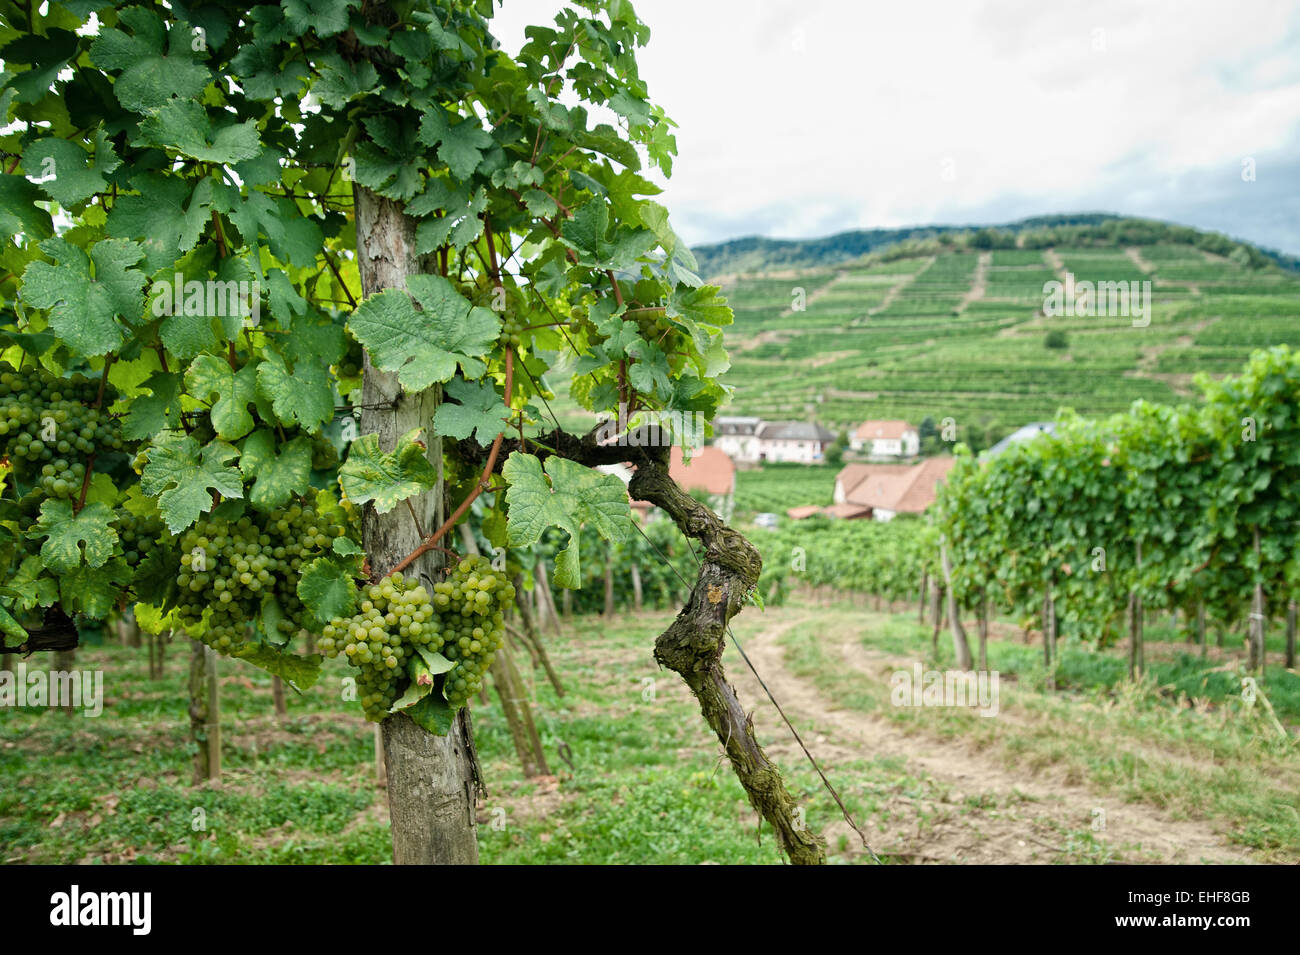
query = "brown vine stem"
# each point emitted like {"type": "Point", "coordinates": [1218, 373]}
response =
{"type": "Point", "coordinates": [343, 285]}
{"type": "Point", "coordinates": [103, 380]}
{"type": "Point", "coordinates": [221, 235]}
{"type": "Point", "coordinates": [85, 483]}
{"type": "Point", "coordinates": [484, 483]}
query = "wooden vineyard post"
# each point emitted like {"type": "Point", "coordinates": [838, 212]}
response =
{"type": "Point", "coordinates": [983, 623]}
{"type": "Point", "coordinates": [1200, 626]}
{"type": "Point", "coordinates": [432, 783]}
{"type": "Point", "coordinates": [1136, 652]}
{"type": "Point", "coordinates": [960, 645]}
{"type": "Point", "coordinates": [636, 587]}
{"type": "Point", "coordinates": [609, 581]}
{"type": "Point", "coordinates": [1256, 632]}
{"type": "Point", "coordinates": [1049, 637]}
{"type": "Point", "coordinates": [1290, 634]}
{"type": "Point", "coordinates": [277, 696]}
{"type": "Point", "coordinates": [214, 716]}
{"type": "Point", "coordinates": [205, 714]}
{"type": "Point", "coordinates": [544, 586]}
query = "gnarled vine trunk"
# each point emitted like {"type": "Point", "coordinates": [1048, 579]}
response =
{"type": "Point", "coordinates": [692, 647]}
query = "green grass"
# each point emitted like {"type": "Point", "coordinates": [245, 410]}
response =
{"type": "Point", "coordinates": [645, 785]}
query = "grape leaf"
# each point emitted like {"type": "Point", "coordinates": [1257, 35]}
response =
{"type": "Point", "coordinates": [301, 672]}
{"type": "Point", "coordinates": [479, 411]}
{"type": "Point", "coordinates": [167, 217]}
{"type": "Point", "coordinates": [650, 372]}
{"type": "Point", "coordinates": [182, 475]}
{"type": "Point", "coordinates": [18, 210]}
{"type": "Point", "coordinates": [14, 635]}
{"type": "Point", "coordinates": [83, 306]}
{"type": "Point", "coordinates": [327, 589]}
{"type": "Point", "coordinates": [422, 678]}
{"type": "Point", "coordinates": [154, 580]}
{"type": "Point", "coordinates": [424, 347]}
{"type": "Point", "coordinates": [150, 76]}
{"type": "Point", "coordinates": [158, 410]}
{"type": "Point", "coordinates": [460, 146]}
{"type": "Point", "coordinates": [47, 55]}
{"type": "Point", "coordinates": [433, 714]}
{"type": "Point", "coordinates": [320, 18]}
{"type": "Point", "coordinates": [93, 591]}
{"type": "Point", "coordinates": [30, 587]}
{"type": "Point", "coordinates": [302, 396]}
{"type": "Point", "coordinates": [77, 176]}
{"type": "Point", "coordinates": [587, 234]}
{"type": "Point", "coordinates": [235, 390]}
{"type": "Point", "coordinates": [574, 495]}
{"type": "Point", "coordinates": [66, 533]}
{"type": "Point", "coordinates": [386, 479]}
{"type": "Point", "coordinates": [346, 547]}
{"type": "Point", "coordinates": [688, 308]}
{"type": "Point", "coordinates": [277, 471]}
{"type": "Point", "coordinates": [184, 125]}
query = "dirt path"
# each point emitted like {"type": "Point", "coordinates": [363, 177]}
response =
{"type": "Point", "coordinates": [979, 284]}
{"type": "Point", "coordinates": [972, 810]}
{"type": "Point", "coordinates": [897, 289]}
{"type": "Point", "coordinates": [1135, 256]}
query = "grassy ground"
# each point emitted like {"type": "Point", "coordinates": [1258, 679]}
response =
{"type": "Point", "coordinates": [643, 782]}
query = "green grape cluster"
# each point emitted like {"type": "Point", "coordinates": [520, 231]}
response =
{"type": "Point", "coordinates": [472, 603]}
{"type": "Point", "coordinates": [394, 617]}
{"type": "Point", "coordinates": [512, 330]}
{"type": "Point", "coordinates": [232, 566]}
{"type": "Point", "coordinates": [137, 535]}
{"type": "Point", "coordinates": [323, 453]}
{"type": "Point", "coordinates": [464, 620]}
{"type": "Point", "coordinates": [47, 422]}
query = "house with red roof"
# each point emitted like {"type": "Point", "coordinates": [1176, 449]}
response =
{"type": "Point", "coordinates": [883, 491]}
{"type": "Point", "coordinates": [886, 439]}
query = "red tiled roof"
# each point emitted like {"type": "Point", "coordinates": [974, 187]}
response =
{"type": "Point", "coordinates": [888, 430]}
{"type": "Point", "coordinates": [846, 511]}
{"type": "Point", "coordinates": [710, 470]}
{"type": "Point", "coordinates": [851, 475]}
{"type": "Point", "coordinates": [895, 487]}
{"type": "Point", "coordinates": [799, 513]}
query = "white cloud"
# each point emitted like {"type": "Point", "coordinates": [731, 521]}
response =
{"type": "Point", "coordinates": [802, 118]}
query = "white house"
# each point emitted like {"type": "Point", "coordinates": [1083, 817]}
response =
{"type": "Point", "coordinates": [795, 441]}
{"type": "Point", "coordinates": [737, 437]}
{"type": "Point", "coordinates": [886, 439]}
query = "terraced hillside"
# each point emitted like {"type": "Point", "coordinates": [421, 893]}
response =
{"type": "Point", "coordinates": [962, 334]}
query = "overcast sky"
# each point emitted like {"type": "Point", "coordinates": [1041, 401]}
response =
{"type": "Point", "coordinates": [806, 118]}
